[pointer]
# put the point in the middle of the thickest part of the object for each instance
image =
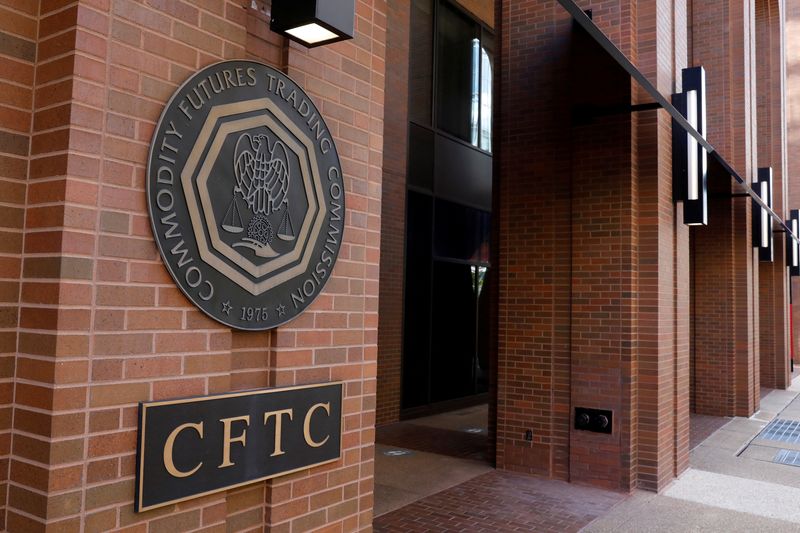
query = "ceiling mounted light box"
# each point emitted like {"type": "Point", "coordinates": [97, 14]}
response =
{"type": "Point", "coordinates": [313, 22]}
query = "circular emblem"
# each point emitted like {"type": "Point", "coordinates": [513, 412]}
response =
{"type": "Point", "coordinates": [245, 194]}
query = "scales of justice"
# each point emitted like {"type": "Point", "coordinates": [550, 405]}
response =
{"type": "Point", "coordinates": [262, 182]}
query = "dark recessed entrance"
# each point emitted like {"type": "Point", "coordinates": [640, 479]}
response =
{"type": "Point", "coordinates": [448, 217]}
{"type": "Point", "coordinates": [443, 438]}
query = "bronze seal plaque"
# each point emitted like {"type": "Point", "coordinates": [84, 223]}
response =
{"type": "Point", "coordinates": [245, 193]}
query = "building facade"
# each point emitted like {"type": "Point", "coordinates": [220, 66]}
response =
{"type": "Point", "coordinates": [511, 236]}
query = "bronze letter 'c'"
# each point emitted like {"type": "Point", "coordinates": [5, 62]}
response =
{"type": "Point", "coordinates": [168, 461]}
{"type": "Point", "coordinates": [307, 424]}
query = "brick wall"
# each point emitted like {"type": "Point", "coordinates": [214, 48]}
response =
{"type": "Point", "coordinates": [662, 441]}
{"type": "Point", "coordinates": [393, 215]}
{"type": "Point", "coordinates": [18, 34]}
{"type": "Point", "coordinates": [101, 324]}
{"type": "Point", "coordinates": [792, 48]}
{"type": "Point", "coordinates": [593, 301]}
{"type": "Point", "coordinates": [726, 342]}
{"type": "Point", "coordinates": [533, 216]}
{"type": "Point", "coordinates": [773, 311]}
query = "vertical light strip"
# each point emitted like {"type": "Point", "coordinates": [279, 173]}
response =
{"type": "Point", "coordinates": [692, 174]}
{"type": "Point", "coordinates": [763, 192]}
{"type": "Point", "coordinates": [795, 246]}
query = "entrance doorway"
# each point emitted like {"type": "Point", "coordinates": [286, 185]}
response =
{"type": "Point", "coordinates": [442, 437]}
{"type": "Point", "coordinates": [446, 332]}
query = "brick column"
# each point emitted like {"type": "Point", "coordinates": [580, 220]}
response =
{"type": "Point", "coordinates": [393, 213]}
{"type": "Point", "coordinates": [662, 441]}
{"type": "Point", "coordinates": [18, 33]}
{"type": "Point", "coordinates": [792, 49]}
{"type": "Point", "coordinates": [725, 273]}
{"type": "Point", "coordinates": [773, 277]}
{"type": "Point", "coordinates": [532, 210]}
{"type": "Point", "coordinates": [593, 293]}
{"type": "Point", "coordinates": [101, 324]}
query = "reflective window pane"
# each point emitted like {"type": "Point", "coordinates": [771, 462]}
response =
{"type": "Point", "coordinates": [461, 232]}
{"type": "Point", "coordinates": [487, 69]}
{"type": "Point", "coordinates": [458, 74]}
{"type": "Point", "coordinates": [417, 308]}
{"type": "Point", "coordinates": [454, 332]}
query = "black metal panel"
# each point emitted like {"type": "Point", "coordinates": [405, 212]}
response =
{"type": "Point", "coordinates": [463, 174]}
{"type": "Point", "coordinates": [680, 163]}
{"type": "Point", "coordinates": [420, 157]}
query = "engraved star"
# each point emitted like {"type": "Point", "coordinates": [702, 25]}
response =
{"type": "Point", "coordinates": [281, 309]}
{"type": "Point", "coordinates": [226, 307]}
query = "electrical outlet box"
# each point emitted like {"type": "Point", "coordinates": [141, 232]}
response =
{"type": "Point", "coordinates": [595, 420]}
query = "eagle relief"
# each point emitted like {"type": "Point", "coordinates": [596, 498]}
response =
{"type": "Point", "coordinates": [246, 194]}
{"type": "Point", "coordinates": [262, 181]}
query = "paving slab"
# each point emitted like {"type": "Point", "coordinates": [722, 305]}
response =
{"type": "Point", "coordinates": [407, 478]}
{"type": "Point", "coordinates": [647, 512]}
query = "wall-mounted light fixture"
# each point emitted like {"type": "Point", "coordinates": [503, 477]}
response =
{"type": "Point", "coordinates": [689, 158]}
{"type": "Point", "coordinates": [313, 22]}
{"type": "Point", "coordinates": [762, 223]}
{"type": "Point", "coordinates": [792, 247]}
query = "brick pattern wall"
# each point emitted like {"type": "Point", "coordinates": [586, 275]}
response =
{"type": "Point", "coordinates": [593, 290]}
{"type": "Point", "coordinates": [18, 34]}
{"type": "Point", "coordinates": [792, 49]}
{"type": "Point", "coordinates": [726, 363]}
{"type": "Point", "coordinates": [393, 215]}
{"type": "Point", "coordinates": [102, 326]}
{"type": "Point", "coordinates": [773, 287]}
{"type": "Point", "coordinates": [50, 355]}
{"type": "Point", "coordinates": [662, 442]}
{"type": "Point", "coordinates": [533, 215]}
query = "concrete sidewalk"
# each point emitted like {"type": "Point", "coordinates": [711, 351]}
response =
{"type": "Point", "coordinates": [734, 483]}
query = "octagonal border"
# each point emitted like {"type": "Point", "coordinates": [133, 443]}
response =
{"type": "Point", "coordinates": [205, 202]}
{"type": "Point", "coordinates": [218, 112]}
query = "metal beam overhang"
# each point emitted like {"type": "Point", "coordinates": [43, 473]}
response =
{"type": "Point", "coordinates": [591, 28]}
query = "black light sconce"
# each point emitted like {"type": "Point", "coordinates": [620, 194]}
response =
{"type": "Point", "coordinates": [313, 22]}
{"type": "Point", "coordinates": [762, 223]}
{"type": "Point", "coordinates": [792, 247]}
{"type": "Point", "coordinates": [689, 158]}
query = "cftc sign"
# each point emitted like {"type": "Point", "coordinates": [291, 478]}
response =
{"type": "Point", "coordinates": [245, 194]}
{"type": "Point", "coordinates": [197, 446]}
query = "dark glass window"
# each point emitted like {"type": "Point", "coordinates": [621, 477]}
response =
{"type": "Point", "coordinates": [461, 232]}
{"type": "Point", "coordinates": [464, 68]}
{"type": "Point", "coordinates": [458, 74]}
{"type": "Point", "coordinates": [454, 332]}
{"type": "Point", "coordinates": [446, 312]}
{"type": "Point", "coordinates": [417, 311]}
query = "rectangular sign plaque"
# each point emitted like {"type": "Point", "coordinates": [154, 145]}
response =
{"type": "Point", "coordinates": [196, 446]}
